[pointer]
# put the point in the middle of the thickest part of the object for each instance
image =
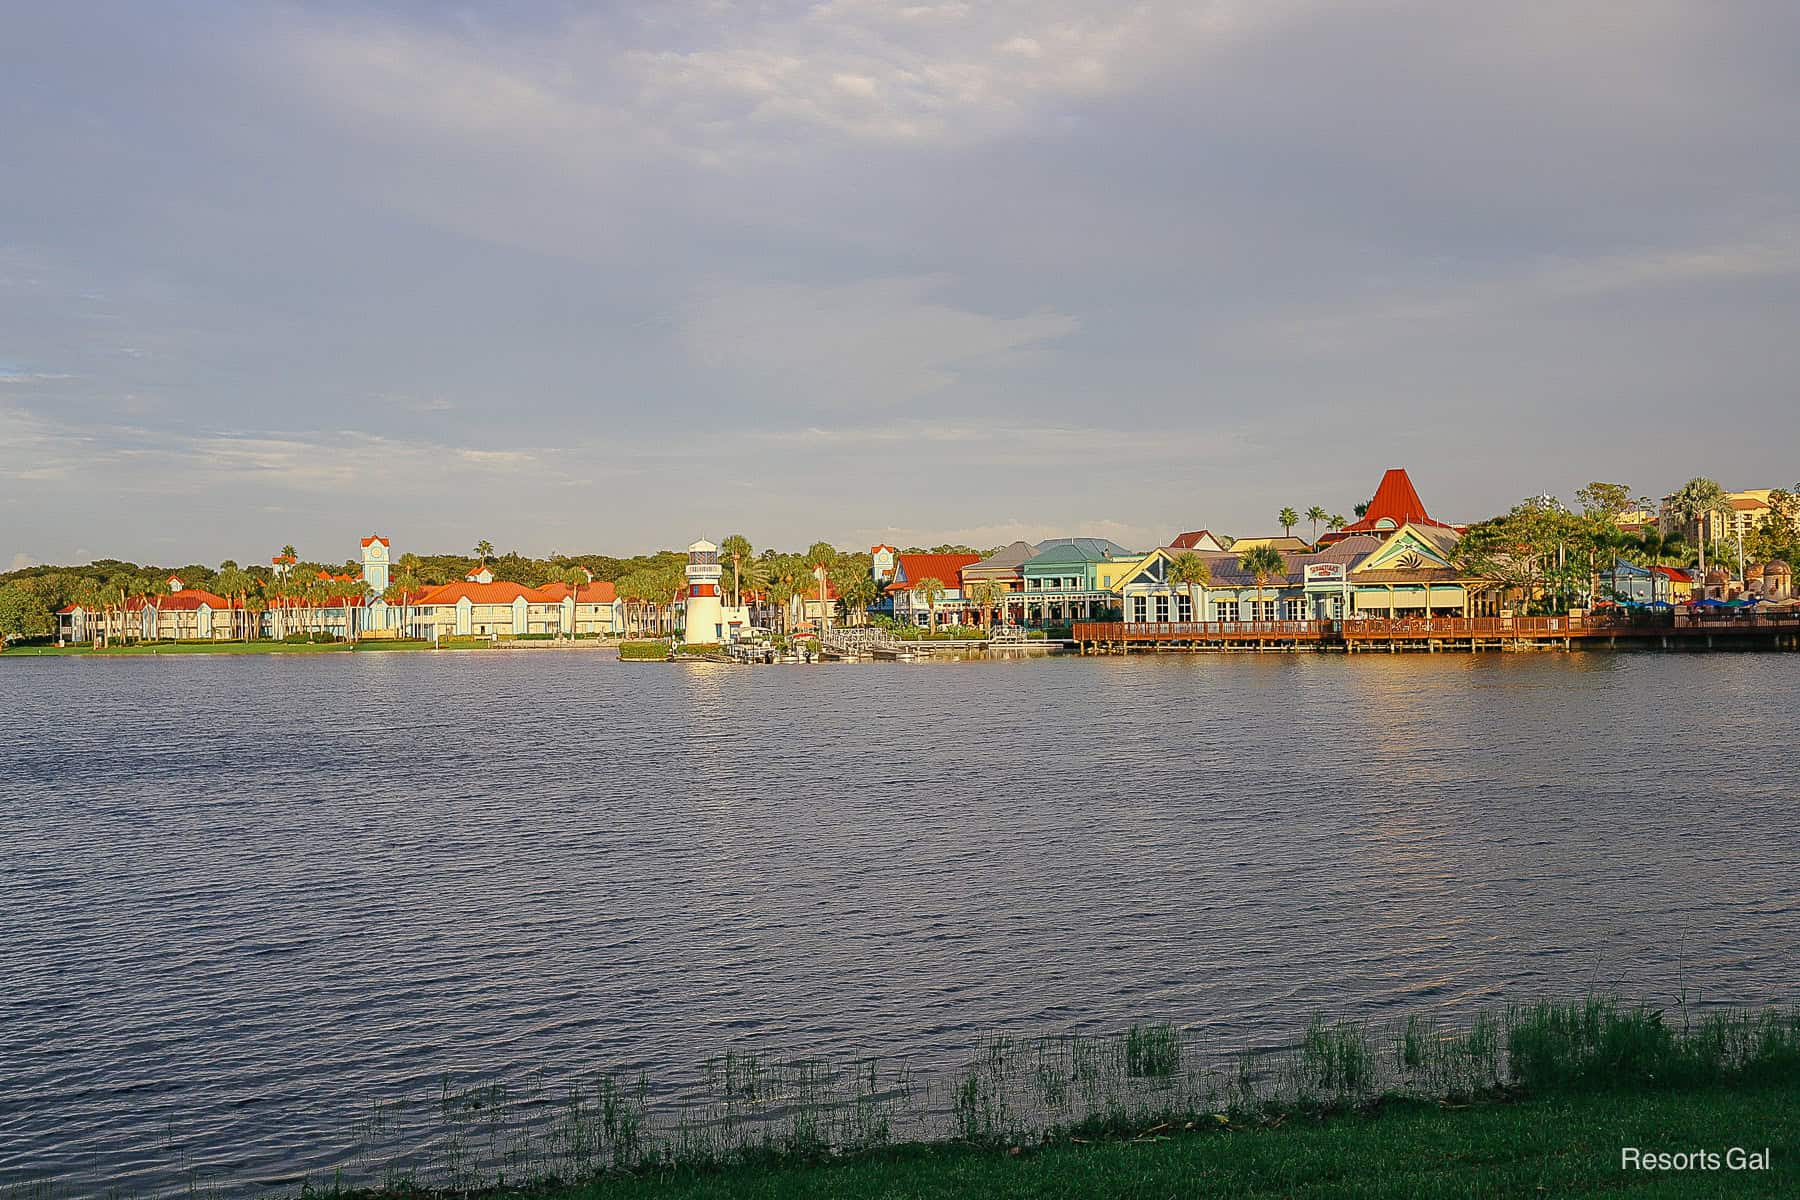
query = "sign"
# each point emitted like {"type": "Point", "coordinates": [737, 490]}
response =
{"type": "Point", "coordinates": [1324, 572]}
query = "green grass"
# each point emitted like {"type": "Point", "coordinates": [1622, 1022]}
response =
{"type": "Point", "coordinates": [257, 647]}
{"type": "Point", "coordinates": [1565, 1146]}
{"type": "Point", "coordinates": [1542, 1091]}
{"type": "Point", "coordinates": [643, 651]}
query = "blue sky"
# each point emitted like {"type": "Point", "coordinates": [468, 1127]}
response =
{"type": "Point", "coordinates": [575, 277]}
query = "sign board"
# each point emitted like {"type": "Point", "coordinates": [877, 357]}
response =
{"type": "Point", "coordinates": [1324, 572]}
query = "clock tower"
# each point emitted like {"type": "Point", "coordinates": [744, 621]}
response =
{"type": "Point", "coordinates": [375, 563]}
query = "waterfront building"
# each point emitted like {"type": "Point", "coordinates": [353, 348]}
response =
{"type": "Point", "coordinates": [1063, 579]}
{"type": "Point", "coordinates": [1406, 574]}
{"type": "Point", "coordinates": [1680, 583]}
{"type": "Point", "coordinates": [1004, 568]}
{"type": "Point", "coordinates": [183, 614]}
{"type": "Point", "coordinates": [591, 610]}
{"type": "Point", "coordinates": [1627, 583]}
{"type": "Point", "coordinates": [494, 609]}
{"type": "Point", "coordinates": [952, 606]}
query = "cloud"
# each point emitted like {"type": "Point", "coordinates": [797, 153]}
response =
{"type": "Point", "coordinates": [853, 69]}
{"type": "Point", "coordinates": [1540, 288]}
{"type": "Point", "coordinates": [22, 560]}
{"type": "Point", "coordinates": [875, 343]}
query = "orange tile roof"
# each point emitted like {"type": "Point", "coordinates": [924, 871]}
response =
{"type": "Point", "coordinates": [373, 538]}
{"type": "Point", "coordinates": [946, 568]}
{"type": "Point", "coordinates": [498, 592]}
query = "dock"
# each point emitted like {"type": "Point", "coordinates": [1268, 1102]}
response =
{"type": "Point", "coordinates": [1669, 631]}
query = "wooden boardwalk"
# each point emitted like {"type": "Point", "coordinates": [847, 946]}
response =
{"type": "Point", "coordinates": [1392, 635]}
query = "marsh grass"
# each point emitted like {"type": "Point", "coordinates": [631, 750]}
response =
{"type": "Point", "coordinates": [752, 1108]}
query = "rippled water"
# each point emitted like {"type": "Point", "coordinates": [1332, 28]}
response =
{"type": "Point", "coordinates": [241, 898]}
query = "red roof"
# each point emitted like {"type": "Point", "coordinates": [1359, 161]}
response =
{"type": "Point", "coordinates": [945, 568]}
{"type": "Point", "coordinates": [373, 538]}
{"type": "Point", "coordinates": [497, 592]}
{"type": "Point", "coordinates": [598, 591]}
{"type": "Point", "coordinates": [1674, 573]}
{"type": "Point", "coordinates": [1188, 541]}
{"type": "Point", "coordinates": [188, 600]}
{"type": "Point", "coordinates": [1396, 500]}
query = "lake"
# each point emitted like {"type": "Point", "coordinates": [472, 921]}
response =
{"type": "Point", "coordinates": [244, 898]}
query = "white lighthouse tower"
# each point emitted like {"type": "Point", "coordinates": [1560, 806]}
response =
{"type": "Point", "coordinates": [705, 619]}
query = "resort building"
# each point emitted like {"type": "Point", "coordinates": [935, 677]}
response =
{"type": "Point", "coordinates": [1004, 567]}
{"type": "Point", "coordinates": [952, 604]}
{"type": "Point", "coordinates": [1063, 580]}
{"type": "Point", "coordinates": [1407, 574]}
{"type": "Point", "coordinates": [1744, 515]}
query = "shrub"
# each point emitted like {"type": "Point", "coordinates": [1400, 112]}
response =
{"type": "Point", "coordinates": [643, 651]}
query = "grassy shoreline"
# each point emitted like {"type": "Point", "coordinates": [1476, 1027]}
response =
{"type": "Point", "coordinates": [1540, 1094]}
{"type": "Point", "coordinates": [365, 646]}
{"type": "Point", "coordinates": [1561, 1145]}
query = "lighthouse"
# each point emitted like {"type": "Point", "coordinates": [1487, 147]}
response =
{"type": "Point", "coordinates": [705, 619]}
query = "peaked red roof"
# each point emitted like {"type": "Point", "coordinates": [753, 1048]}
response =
{"type": "Point", "coordinates": [945, 568]}
{"type": "Point", "coordinates": [373, 538]}
{"type": "Point", "coordinates": [1396, 500]}
{"type": "Point", "coordinates": [1188, 541]}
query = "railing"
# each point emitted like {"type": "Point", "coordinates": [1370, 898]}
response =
{"type": "Point", "coordinates": [1166, 631]}
{"type": "Point", "coordinates": [857, 639]}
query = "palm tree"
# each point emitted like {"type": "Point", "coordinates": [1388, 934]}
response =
{"type": "Point", "coordinates": [929, 589]}
{"type": "Point", "coordinates": [820, 556]}
{"type": "Point", "coordinates": [1262, 563]}
{"type": "Point", "coordinates": [986, 594]}
{"type": "Point", "coordinates": [737, 552]}
{"type": "Point", "coordinates": [1361, 510]}
{"type": "Point", "coordinates": [576, 578]}
{"type": "Point", "coordinates": [856, 594]}
{"type": "Point", "coordinates": [1192, 572]}
{"type": "Point", "coordinates": [1287, 518]}
{"type": "Point", "coordinates": [1315, 514]}
{"type": "Point", "coordinates": [1696, 501]}
{"type": "Point", "coordinates": [752, 577]}
{"type": "Point", "coordinates": [484, 550]}
{"type": "Point", "coordinates": [233, 583]}
{"type": "Point", "coordinates": [1336, 522]}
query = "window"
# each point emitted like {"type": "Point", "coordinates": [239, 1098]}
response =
{"type": "Point", "coordinates": [1140, 606]}
{"type": "Point", "coordinates": [1228, 610]}
{"type": "Point", "coordinates": [1264, 610]}
{"type": "Point", "coordinates": [1162, 608]}
{"type": "Point", "coordinates": [1294, 610]}
{"type": "Point", "coordinates": [1184, 608]}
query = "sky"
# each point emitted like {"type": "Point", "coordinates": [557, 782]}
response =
{"type": "Point", "coordinates": [607, 278]}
